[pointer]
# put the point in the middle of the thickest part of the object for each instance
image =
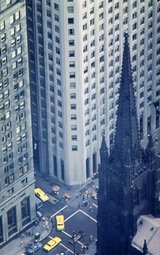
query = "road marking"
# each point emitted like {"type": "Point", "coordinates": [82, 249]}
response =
{"type": "Point", "coordinates": [59, 211]}
{"type": "Point", "coordinates": [72, 215]}
{"type": "Point", "coordinates": [66, 233]}
{"type": "Point", "coordinates": [71, 236]}
{"type": "Point", "coordinates": [95, 205]}
{"type": "Point", "coordinates": [66, 248]}
{"type": "Point", "coordinates": [88, 215]}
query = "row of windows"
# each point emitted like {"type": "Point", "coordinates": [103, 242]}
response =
{"type": "Point", "coordinates": [12, 221]}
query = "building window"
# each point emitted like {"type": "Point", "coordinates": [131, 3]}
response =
{"type": "Point", "coordinates": [72, 53]}
{"type": "Point", "coordinates": [12, 221]}
{"type": "Point", "coordinates": [55, 165]}
{"type": "Point", "coordinates": [73, 127]}
{"type": "Point", "coordinates": [71, 42]}
{"type": "Point", "coordinates": [73, 106]}
{"type": "Point", "coordinates": [25, 211]}
{"type": "Point", "coordinates": [72, 75]}
{"type": "Point", "coordinates": [74, 137]}
{"type": "Point", "coordinates": [73, 116]}
{"type": "Point", "coordinates": [62, 170]}
{"type": "Point", "coordinates": [70, 9]}
{"type": "Point", "coordinates": [70, 20]}
{"type": "Point", "coordinates": [87, 168]}
{"type": "Point", "coordinates": [1, 230]}
{"type": "Point", "coordinates": [71, 31]}
{"type": "Point", "coordinates": [56, 7]}
{"type": "Point", "coordinates": [141, 127]}
{"type": "Point", "coordinates": [73, 95]}
{"type": "Point", "coordinates": [74, 148]}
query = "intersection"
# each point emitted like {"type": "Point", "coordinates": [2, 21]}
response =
{"type": "Point", "coordinates": [79, 217]}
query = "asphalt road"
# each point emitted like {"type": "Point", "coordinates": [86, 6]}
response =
{"type": "Point", "coordinates": [78, 217]}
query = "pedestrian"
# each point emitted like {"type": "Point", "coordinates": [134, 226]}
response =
{"type": "Point", "coordinates": [90, 208]}
{"type": "Point", "coordinates": [91, 238]}
{"type": "Point", "coordinates": [79, 205]}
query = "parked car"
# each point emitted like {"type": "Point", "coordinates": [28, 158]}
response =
{"type": "Point", "coordinates": [32, 248]}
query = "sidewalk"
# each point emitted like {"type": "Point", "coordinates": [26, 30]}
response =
{"type": "Point", "coordinates": [74, 191]}
{"type": "Point", "coordinates": [18, 245]}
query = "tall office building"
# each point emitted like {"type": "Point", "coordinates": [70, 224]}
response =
{"type": "Point", "coordinates": [75, 53]}
{"type": "Point", "coordinates": [82, 44]}
{"type": "Point", "coordinates": [17, 209]}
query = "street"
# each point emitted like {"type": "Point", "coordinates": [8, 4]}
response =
{"type": "Point", "coordinates": [80, 214]}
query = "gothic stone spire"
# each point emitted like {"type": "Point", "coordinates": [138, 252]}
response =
{"type": "Point", "coordinates": [127, 134]}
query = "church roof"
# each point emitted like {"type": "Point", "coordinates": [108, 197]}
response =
{"type": "Point", "coordinates": [148, 228]}
{"type": "Point", "coordinates": [127, 134]}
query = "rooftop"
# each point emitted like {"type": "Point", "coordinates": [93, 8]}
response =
{"type": "Point", "coordinates": [148, 228]}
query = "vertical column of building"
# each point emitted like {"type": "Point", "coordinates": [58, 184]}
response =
{"type": "Point", "coordinates": [31, 19]}
{"type": "Point", "coordinates": [89, 86]}
{"type": "Point", "coordinates": [17, 208]}
{"type": "Point", "coordinates": [94, 84]}
{"type": "Point", "coordinates": [155, 106]}
{"type": "Point", "coordinates": [40, 28]}
{"type": "Point", "coordinates": [71, 67]}
{"type": "Point", "coordinates": [53, 89]}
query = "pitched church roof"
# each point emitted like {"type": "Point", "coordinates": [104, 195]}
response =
{"type": "Point", "coordinates": [127, 134]}
{"type": "Point", "coordinates": [148, 228]}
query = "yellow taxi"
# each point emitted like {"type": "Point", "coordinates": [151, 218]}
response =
{"type": "Point", "coordinates": [60, 222]}
{"type": "Point", "coordinates": [52, 243]}
{"type": "Point", "coordinates": [41, 194]}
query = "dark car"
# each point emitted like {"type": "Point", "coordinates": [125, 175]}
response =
{"type": "Point", "coordinates": [31, 249]}
{"type": "Point", "coordinates": [76, 237]}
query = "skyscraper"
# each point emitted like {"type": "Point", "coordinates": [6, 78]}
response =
{"type": "Point", "coordinates": [75, 53]}
{"type": "Point", "coordinates": [17, 208]}
{"type": "Point", "coordinates": [79, 48]}
{"type": "Point", "coordinates": [128, 177]}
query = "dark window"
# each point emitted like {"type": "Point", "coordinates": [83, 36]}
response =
{"type": "Point", "coordinates": [1, 230]}
{"type": "Point", "coordinates": [157, 119]}
{"type": "Point", "coordinates": [25, 211]}
{"type": "Point", "coordinates": [94, 162]}
{"type": "Point", "coordinates": [12, 221]}
{"type": "Point", "coordinates": [149, 124]}
{"type": "Point", "coordinates": [87, 168]}
{"type": "Point", "coordinates": [56, 7]}
{"type": "Point", "coordinates": [55, 165]}
{"type": "Point", "coordinates": [62, 169]}
{"type": "Point", "coordinates": [71, 21]}
{"type": "Point", "coordinates": [141, 127]}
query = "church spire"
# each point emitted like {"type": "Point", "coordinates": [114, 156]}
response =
{"type": "Point", "coordinates": [127, 136]}
{"type": "Point", "coordinates": [103, 149]}
{"type": "Point", "coordinates": [103, 157]}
